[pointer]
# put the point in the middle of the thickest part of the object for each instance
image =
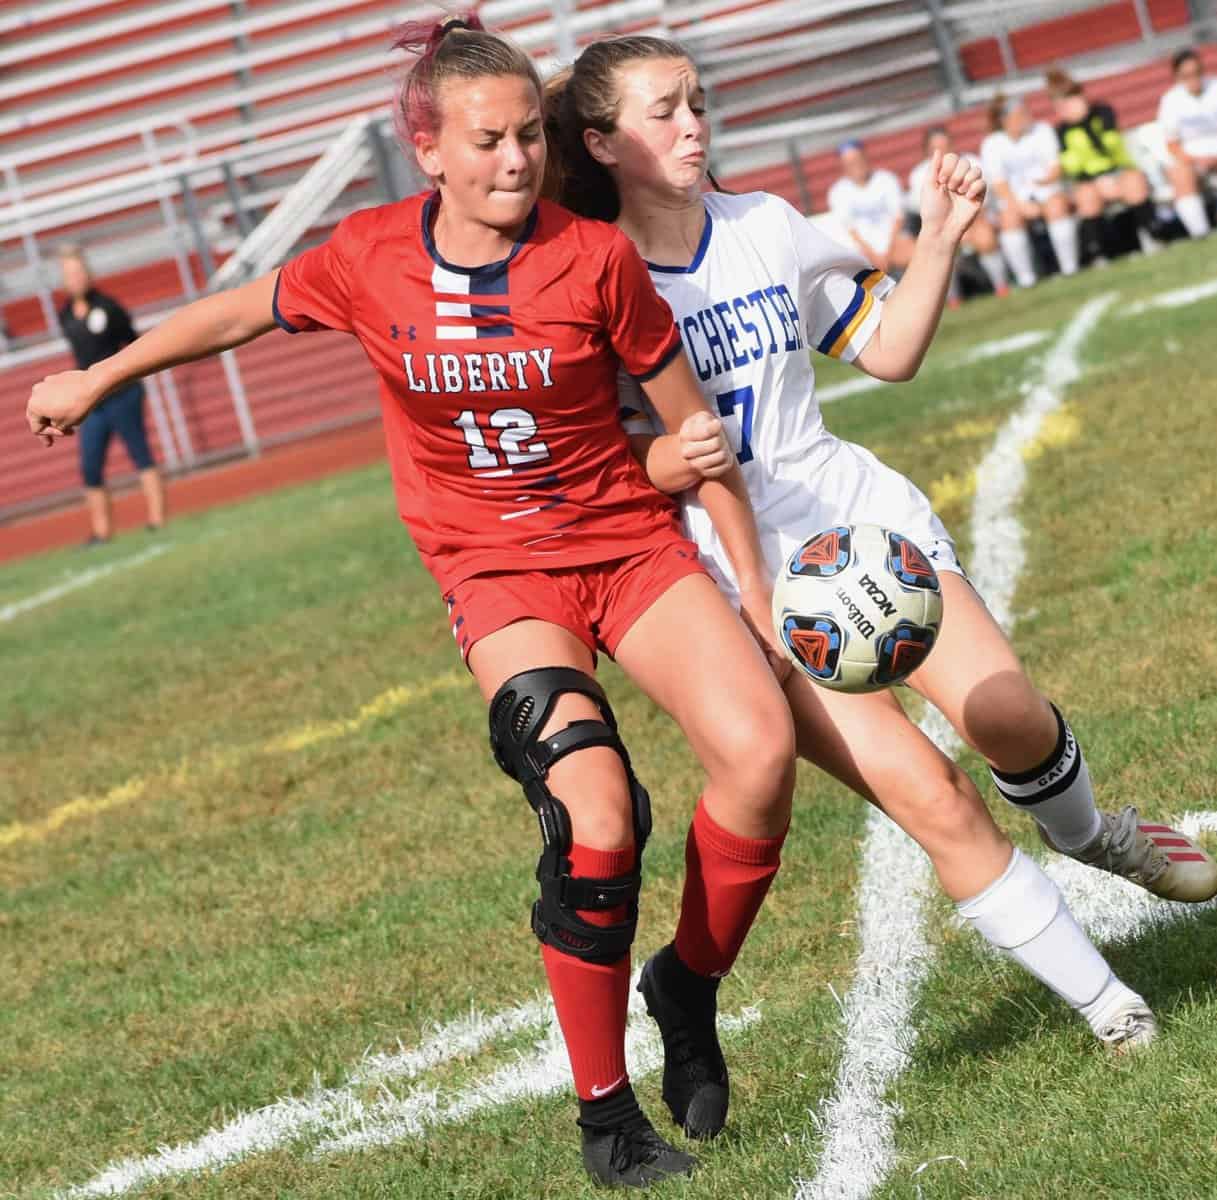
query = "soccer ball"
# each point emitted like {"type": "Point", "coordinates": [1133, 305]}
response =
{"type": "Point", "coordinates": [857, 607]}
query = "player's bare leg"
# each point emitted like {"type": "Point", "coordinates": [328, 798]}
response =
{"type": "Point", "coordinates": [715, 682]}
{"type": "Point", "coordinates": [976, 680]}
{"type": "Point", "coordinates": [912, 781]}
{"type": "Point", "coordinates": [620, 1146]}
{"type": "Point", "coordinates": [153, 487]}
{"type": "Point", "coordinates": [97, 505]}
{"type": "Point", "coordinates": [1189, 199]}
{"type": "Point", "coordinates": [1000, 891]}
{"type": "Point", "coordinates": [982, 237]}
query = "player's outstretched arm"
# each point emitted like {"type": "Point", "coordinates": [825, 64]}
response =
{"type": "Point", "coordinates": [60, 402]}
{"type": "Point", "coordinates": [951, 196]}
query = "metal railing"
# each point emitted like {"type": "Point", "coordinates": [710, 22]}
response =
{"type": "Point", "coordinates": [312, 194]}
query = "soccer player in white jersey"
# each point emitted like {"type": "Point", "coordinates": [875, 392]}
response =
{"type": "Point", "coordinates": [869, 206]}
{"type": "Point", "coordinates": [754, 288]}
{"type": "Point", "coordinates": [1187, 115]}
{"type": "Point", "coordinates": [981, 237]}
{"type": "Point", "coordinates": [1021, 163]}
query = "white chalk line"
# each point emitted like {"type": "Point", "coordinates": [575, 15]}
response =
{"type": "Point", "coordinates": [291, 1118]}
{"type": "Point", "coordinates": [978, 353]}
{"type": "Point", "coordinates": [857, 1122]}
{"type": "Point", "coordinates": [545, 1071]}
{"type": "Point", "coordinates": [81, 580]}
{"type": "Point", "coordinates": [343, 1120]}
{"type": "Point", "coordinates": [1178, 298]}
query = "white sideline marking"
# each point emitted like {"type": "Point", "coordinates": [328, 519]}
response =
{"type": "Point", "coordinates": [285, 1120]}
{"type": "Point", "coordinates": [345, 1121]}
{"type": "Point", "coordinates": [1196, 823]}
{"type": "Point", "coordinates": [83, 579]}
{"type": "Point", "coordinates": [857, 1122]}
{"type": "Point", "coordinates": [1007, 345]}
{"type": "Point", "coordinates": [1176, 299]}
{"type": "Point", "coordinates": [544, 1071]}
{"type": "Point", "coordinates": [850, 387]}
{"type": "Point", "coordinates": [978, 353]}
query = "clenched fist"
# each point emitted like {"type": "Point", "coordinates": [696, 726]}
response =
{"type": "Point", "coordinates": [703, 445]}
{"type": "Point", "coordinates": [57, 404]}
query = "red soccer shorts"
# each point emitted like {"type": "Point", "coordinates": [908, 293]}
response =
{"type": "Point", "coordinates": [597, 602]}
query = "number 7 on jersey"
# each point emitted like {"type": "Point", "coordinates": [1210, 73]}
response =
{"type": "Point", "coordinates": [745, 400]}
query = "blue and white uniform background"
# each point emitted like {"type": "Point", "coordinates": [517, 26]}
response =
{"type": "Point", "coordinates": [764, 288]}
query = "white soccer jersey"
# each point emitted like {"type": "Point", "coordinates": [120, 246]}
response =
{"type": "Point", "coordinates": [871, 208]}
{"type": "Point", "coordinates": [1022, 163]}
{"type": "Point", "coordinates": [764, 289]}
{"type": "Point", "coordinates": [1190, 119]}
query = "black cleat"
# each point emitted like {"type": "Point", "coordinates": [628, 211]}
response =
{"type": "Point", "coordinates": [685, 1007]}
{"type": "Point", "coordinates": [621, 1147]}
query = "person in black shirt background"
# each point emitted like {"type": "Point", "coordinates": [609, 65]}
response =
{"type": "Point", "coordinates": [96, 326]}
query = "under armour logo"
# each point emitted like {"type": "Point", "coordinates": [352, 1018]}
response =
{"type": "Point", "coordinates": [393, 332]}
{"type": "Point", "coordinates": [410, 333]}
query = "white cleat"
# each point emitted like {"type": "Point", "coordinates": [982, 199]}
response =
{"type": "Point", "coordinates": [1156, 857]}
{"type": "Point", "coordinates": [1131, 1028]}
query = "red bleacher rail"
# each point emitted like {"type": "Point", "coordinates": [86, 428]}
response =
{"type": "Point", "coordinates": [1134, 94]}
{"type": "Point", "coordinates": [1063, 37]}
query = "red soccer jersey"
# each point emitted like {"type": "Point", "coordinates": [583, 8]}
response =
{"type": "Point", "coordinates": [498, 382]}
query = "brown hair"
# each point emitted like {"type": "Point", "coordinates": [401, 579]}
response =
{"type": "Point", "coordinates": [454, 48]}
{"type": "Point", "coordinates": [587, 96]}
{"type": "Point", "coordinates": [933, 132]}
{"type": "Point", "coordinates": [1187, 54]}
{"type": "Point", "coordinates": [72, 251]}
{"type": "Point", "coordinates": [1061, 83]}
{"type": "Point", "coordinates": [997, 108]}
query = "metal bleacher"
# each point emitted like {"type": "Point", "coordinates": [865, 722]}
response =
{"type": "Point", "coordinates": [912, 71]}
{"type": "Point", "coordinates": [161, 133]}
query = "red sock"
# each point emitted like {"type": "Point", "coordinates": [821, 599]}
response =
{"type": "Point", "coordinates": [591, 998]}
{"type": "Point", "coordinates": [726, 878]}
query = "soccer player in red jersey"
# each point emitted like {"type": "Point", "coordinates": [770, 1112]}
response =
{"type": "Point", "coordinates": [497, 324]}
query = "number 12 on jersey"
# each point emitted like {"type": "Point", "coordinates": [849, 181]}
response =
{"type": "Point", "coordinates": [516, 428]}
{"type": "Point", "coordinates": [745, 400]}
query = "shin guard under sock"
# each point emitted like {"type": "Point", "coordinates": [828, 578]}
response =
{"type": "Point", "coordinates": [591, 998]}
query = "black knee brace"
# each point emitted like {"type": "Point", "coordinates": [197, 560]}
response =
{"type": "Point", "coordinates": [518, 713]}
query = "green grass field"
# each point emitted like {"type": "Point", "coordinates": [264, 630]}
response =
{"type": "Point", "coordinates": [250, 832]}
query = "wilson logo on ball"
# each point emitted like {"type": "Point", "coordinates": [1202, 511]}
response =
{"type": "Point", "coordinates": [909, 564]}
{"type": "Point", "coordinates": [815, 642]}
{"type": "Point", "coordinates": [822, 556]}
{"type": "Point", "coordinates": [857, 607]}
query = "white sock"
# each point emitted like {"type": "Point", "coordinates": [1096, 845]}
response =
{"type": "Point", "coordinates": [1057, 793]}
{"type": "Point", "coordinates": [1024, 914]}
{"type": "Point", "coordinates": [1016, 246]}
{"type": "Point", "coordinates": [1063, 233]}
{"type": "Point", "coordinates": [995, 268]}
{"type": "Point", "coordinates": [1148, 243]}
{"type": "Point", "coordinates": [1193, 214]}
